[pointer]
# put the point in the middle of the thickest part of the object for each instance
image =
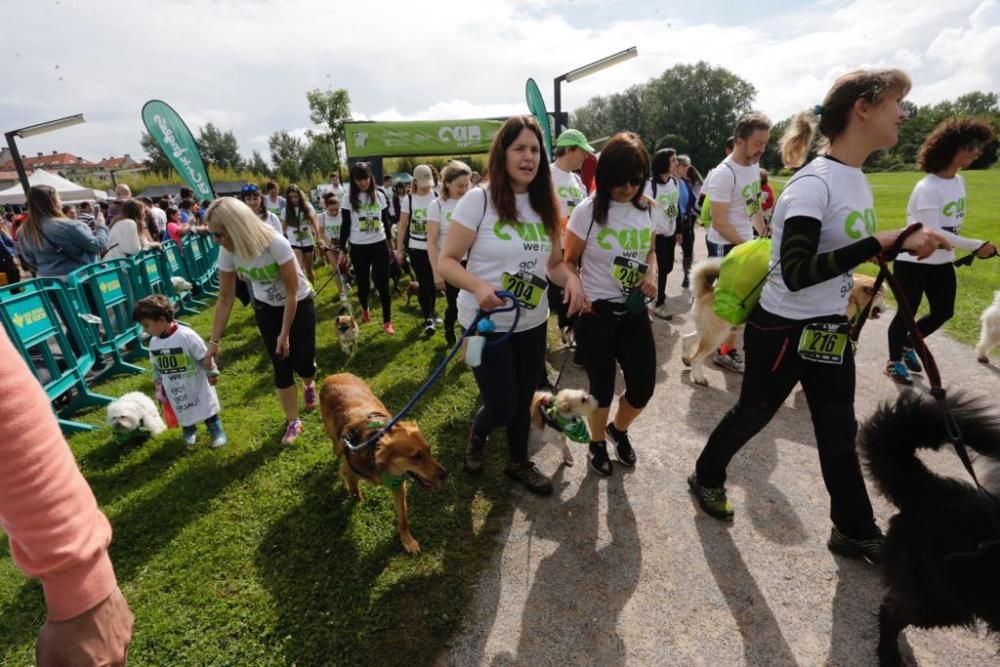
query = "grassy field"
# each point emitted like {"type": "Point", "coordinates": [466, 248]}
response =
{"type": "Point", "coordinates": [977, 283]}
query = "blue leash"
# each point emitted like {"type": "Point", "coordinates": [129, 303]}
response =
{"type": "Point", "coordinates": [515, 306]}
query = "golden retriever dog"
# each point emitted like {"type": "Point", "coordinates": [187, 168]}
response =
{"type": "Point", "coordinates": [352, 413]}
{"type": "Point", "coordinates": [711, 330]}
{"type": "Point", "coordinates": [554, 414]}
{"type": "Point", "coordinates": [347, 331]}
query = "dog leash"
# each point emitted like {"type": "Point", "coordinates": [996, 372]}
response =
{"type": "Point", "coordinates": [930, 365]}
{"type": "Point", "coordinates": [968, 259]}
{"type": "Point", "coordinates": [515, 306]}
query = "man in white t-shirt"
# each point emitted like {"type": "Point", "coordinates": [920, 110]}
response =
{"type": "Point", "coordinates": [333, 186]}
{"type": "Point", "coordinates": [733, 190]}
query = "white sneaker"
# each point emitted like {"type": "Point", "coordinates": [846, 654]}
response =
{"type": "Point", "coordinates": [732, 362]}
{"type": "Point", "coordinates": [662, 312]}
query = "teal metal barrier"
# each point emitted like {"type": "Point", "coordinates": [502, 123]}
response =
{"type": "Point", "coordinates": [199, 266]}
{"type": "Point", "coordinates": [32, 319]}
{"type": "Point", "coordinates": [147, 276]}
{"type": "Point", "coordinates": [173, 259]}
{"type": "Point", "coordinates": [107, 285]}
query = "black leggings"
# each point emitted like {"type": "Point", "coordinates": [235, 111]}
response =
{"type": "Point", "coordinates": [451, 311]}
{"type": "Point", "coordinates": [686, 228]}
{"type": "Point", "coordinates": [773, 368]}
{"type": "Point", "coordinates": [937, 281]}
{"type": "Point", "coordinates": [665, 246]}
{"type": "Point", "coordinates": [605, 338]}
{"type": "Point", "coordinates": [425, 279]}
{"type": "Point", "coordinates": [371, 261]}
{"type": "Point", "coordinates": [507, 380]}
{"type": "Point", "coordinates": [301, 357]}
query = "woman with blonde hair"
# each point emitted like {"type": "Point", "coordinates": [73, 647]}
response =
{"type": "Point", "coordinates": [283, 301]}
{"type": "Point", "coordinates": [824, 225]}
{"type": "Point", "coordinates": [454, 184]}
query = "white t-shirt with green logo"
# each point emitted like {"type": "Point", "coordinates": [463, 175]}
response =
{"type": "Point", "coordinates": [440, 211]}
{"type": "Point", "coordinates": [614, 257]}
{"type": "Point", "coordinates": [366, 222]}
{"type": "Point", "coordinates": [274, 222]}
{"type": "Point", "coordinates": [418, 218]}
{"type": "Point", "coordinates": [939, 203]}
{"type": "Point", "coordinates": [276, 205]}
{"type": "Point", "coordinates": [262, 272]}
{"type": "Point", "coordinates": [732, 183]}
{"type": "Point", "coordinates": [330, 225]}
{"type": "Point", "coordinates": [518, 250]}
{"type": "Point", "coordinates": [178, 363]}
{"type": "Point", "coordinates": [668, 198]}
{"type": "Point", "coordinates": [839, 196]}
{"type": "Point", "coordinates": [570, 190]}
{"type": "Point", "coordinates": [301, 236]}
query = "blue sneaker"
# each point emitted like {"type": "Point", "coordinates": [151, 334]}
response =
{"type": "Point", "coordinates": [190, 435]}
{"type": "Point", "coordinates": [219, 438]}
{"type": "Point", "coordinates": [896, 370]}
{"type": "Point", "coordinates": [912, 361]}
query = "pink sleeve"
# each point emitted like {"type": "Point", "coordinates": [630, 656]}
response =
{"type": "Point", "coordinates": [57, 533]}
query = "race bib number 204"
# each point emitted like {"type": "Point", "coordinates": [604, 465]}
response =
{"type": "Point", "coordinates": [527, 288]}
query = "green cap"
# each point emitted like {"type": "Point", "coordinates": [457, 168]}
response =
{"type": "Point", "coordinates": [574, 138]}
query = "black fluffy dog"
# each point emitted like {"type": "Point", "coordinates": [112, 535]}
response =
{"type": "Point", "coordinates": [941, 562]}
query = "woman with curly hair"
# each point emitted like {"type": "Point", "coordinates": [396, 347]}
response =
{"type": "Point", "coordinates": [938, 202]}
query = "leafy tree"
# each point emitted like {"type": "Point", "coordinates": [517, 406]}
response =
{"type": "Point", "coordinates": [320, 155]}
{"type": "Point", "coordinates": [287, 152]}
{"type": "Point", "coordinates": [258, 165]}
{"type": "Point", "coordinates": [330, 109]}
{"type": "Point", "coordinates": [155, 157]}
{"type": "Point", "coordinates": [219, 148]}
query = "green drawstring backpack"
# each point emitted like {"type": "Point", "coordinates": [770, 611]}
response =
{"type": "Point", "coordinates": [741, 280]}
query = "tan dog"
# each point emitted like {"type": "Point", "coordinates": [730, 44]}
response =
{"type": "Point", "coordinates": [565, 405]}
{"type": "Point", "coordinates": [347, 331]}
{"type": "Point", "coordinates": [351, 411]}
{"type": "Point", "coordinates": [711, 330]}
{"type": "Point", "coordinates": [412, 290]}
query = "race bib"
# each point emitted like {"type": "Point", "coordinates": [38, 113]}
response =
{"type": "Point", "coordinates": [369, 224]}
{"type": "Point", "coordinates": [628, 272]}
{"type": "Point", "coordinates": [753, 205]}
{"type": "Point", "coordinates": [170, 361]}
{"type": "Point", "coordinates": [672, 210]}
{"type": "Point", "coordinates": [303, 234]}
{"type": "Point", "coordinates": [527, 288]}
{"type": "Point", "coordinates": [824, 342]}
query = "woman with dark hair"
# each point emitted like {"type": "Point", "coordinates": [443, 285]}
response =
{"type": "Point", "coordinates": [367, 227]}
{"type": "Point", "coordinates": [663, 189]}
{"type": "Point", "coordinates": [798, 331]}
{"type": "Point", "coordinates": [688, 201]}
{"type": "Point", "coordinates": [54, 245]}
{"type": "Point", "coordinates": [510, 232]}
{"type": "Point", "coordinates": [412, 228]}
{"type": "Point", "coordinates": [299, 227]}
{"type": "Point", "coordinates": [938, 202]}
{"type": "Point", "coordinates": [611, 235]}
{"type": "Point", "coordinates": [127, 234]}
{"type": "Point", "coordinates": [252, 197]}
{"type": "Point", "coordinates": [454, 185]}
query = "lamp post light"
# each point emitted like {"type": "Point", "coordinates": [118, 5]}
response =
{"type": "Point", "coordinates": [31, 131]}
{"type": "Point", "coordinates": [587, 70]}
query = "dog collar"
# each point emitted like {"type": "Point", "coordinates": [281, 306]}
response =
{"type": "Point", "coordinates": [392, 481]}
{"type": "Point", "coordinates": [574, 428]}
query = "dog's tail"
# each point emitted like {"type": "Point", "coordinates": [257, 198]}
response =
{"type": "Point", "coordinates": [889, 439]}
{"type": "Point", "coordinates": [704, 276]}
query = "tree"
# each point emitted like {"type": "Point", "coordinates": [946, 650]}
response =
{"type": "Point", "coordinates": [287, 151]}
{"type": "Point", "coordinates": [155, 157]}
{"type": "Point", "coordinates": [219, 148]}
{"type": "Point", "coordinates": [257, 165]}
{"type": "Point", "coordinates": [329, 109]}
{"type": "Point", "coordinates": [320, 155]}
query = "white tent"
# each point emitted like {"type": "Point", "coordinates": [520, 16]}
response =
{"type": "Point", "coordinates": [69, 192]}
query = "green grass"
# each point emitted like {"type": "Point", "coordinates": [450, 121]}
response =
{"type": "Point", "coordinates": [254, 554]}
{"type": "Point", "coordinates": [977, 283]}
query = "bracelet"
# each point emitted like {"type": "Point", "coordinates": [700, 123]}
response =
{"type": "Point", "coordinates": [214, 342]}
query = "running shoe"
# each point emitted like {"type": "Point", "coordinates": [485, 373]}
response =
{"type": "Point", "coordinates": [190, 435]}
{"type": "Point", "coordinates": [869, 549]}
{"type": "Point", "coordinates": [896, 370]}
{"type": "Point", "coordinates": [292, 431]}
{"type": "Point", "coordinates": [365, 316]}
{"type": "Point", "coordinates": [732, 362]}
{"type": "Point", "coordinates": [661, 312]}
{"type": "Point", "coordinates": [912, 361]}
{"type": "Point", "coordinates": [600, 462]}
{"type": "Point", "coordinates": [219, 437]}
{"type": "Point", "coordinates": [387, 327]}
{"type": "Point", "coordinates": [712, 500]}
{"type": "Point", "coordinates": [528, 474]}
{"type": "Point", "coordinates": [475, 453]}
{"type": "Point", "coordinates": [429, 328]}
{"type": "Point", "coordinates": [623, 446]}
{"type": "Point", "coordinates": [309, 393]}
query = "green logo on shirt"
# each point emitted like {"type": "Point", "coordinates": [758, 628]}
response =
{"type": "Point", "coordinates": [532, 234]}
{"type": "Point", "coordinates": [626, 239]}
{"type": "Point", "coordinates": [954, 208]}
{"type": "Point", "coordinates": [259, 274]}
{"type": "Point", "coordinates": [860, 224]}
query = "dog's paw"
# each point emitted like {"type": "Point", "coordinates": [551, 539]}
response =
{"type": "Point", "coordinates": [410, 545]}
{"type": "Point", "coordinates": [686, 361]}
{"type": "Point", "coordinates": [699, 380]}
{"type": "Point", "coordinates": [568, 459]}
{"type": "Point", "coordinates": [983, 360]}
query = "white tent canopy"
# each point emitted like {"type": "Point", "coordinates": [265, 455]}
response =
{"type": "Point", "coordinates": [69, 192]}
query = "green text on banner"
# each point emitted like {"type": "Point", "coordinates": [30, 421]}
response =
{"type": "Point", "coordinates": [174, 137]}
{"type": "Point", "coordinates": [419, 138]}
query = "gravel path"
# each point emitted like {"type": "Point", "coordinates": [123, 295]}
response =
{"type": "Point", "coordinates": [627, 571]}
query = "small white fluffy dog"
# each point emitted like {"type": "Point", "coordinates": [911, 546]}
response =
{"type": "Point", "coordinates": [180, 285]}
{"type": "Point", "coordinates": [133, 412]}
{"type": "Point", "coordinates": [548, 410]}
{"type": "Point", "coordinates": [989, 337]}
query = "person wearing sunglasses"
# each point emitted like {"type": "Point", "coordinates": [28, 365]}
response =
{"type": "Point", "coordinates": [610, 240]}
{"type": "Point", "coordinates": [252, 197]}
{"type": "Point", "coordinates": [938, 202]}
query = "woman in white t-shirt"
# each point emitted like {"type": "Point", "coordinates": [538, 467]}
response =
{"type": "Point", "coordinates": [299, 226]}
{"type": "Point", "coordinates": [662, 188]}
{"type": "Point", "coordinates": [283, 302]}
{"type": "Point", "coordinates": [611, 238]}
{"type": "Point", "coordinates": [938, 202]}
{"type": "Point", "coordinates": [330, 219]}
{"type": "Point", "coordinates": [366, 226]}
{"type": "Point", "coordinates": [413, 219]}
{"type": "Point", "coordinates": [127, 234]}
{"type": "Point", "coordinates": [454, 185]}
{"type": "Point", "coordinates": [510, 233]}
{"type": "Point", "coordinates": [824, 225]}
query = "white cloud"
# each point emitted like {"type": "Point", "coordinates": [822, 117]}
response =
{"type": "Point", "coordinates": [245, 66]}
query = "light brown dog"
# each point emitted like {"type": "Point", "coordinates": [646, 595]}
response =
{"type": "Point", "coordinates": [711, 330]}
{"type": "Point", "coordinates": [352, 412]}
{"type": "Point", "coordinates": [347, 331]}
{"type": "Point", "coordinates": [412, 290]}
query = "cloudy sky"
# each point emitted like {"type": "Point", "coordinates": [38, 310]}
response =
{"type": "Point", "coordinates": [245, 65]}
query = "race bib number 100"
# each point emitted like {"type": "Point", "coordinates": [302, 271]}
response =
{"type": "Point", "coordinates": [170, 360]}
{"type": "Point", "coordinates": [824, 342]}
{"type": "Point", "coordinates": [527, 288]}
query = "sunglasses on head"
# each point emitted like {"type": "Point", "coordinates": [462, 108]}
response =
{"type": "Point", "coordinates": [250, 188]}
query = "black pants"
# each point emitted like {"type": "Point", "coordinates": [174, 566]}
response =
{"type": "Point", "coordinates": [773, 368]}
{"type": "Point", "coordinates": [937, 281]}
{"type": "Point", "coordinates": [371, 261]}
{"type": "Point", "coordinates": [301, 357]}
{"type": "Point", "coordinates": [507, 380]}
{"type": "Point", "coordinates": [686, 228]}
{"type": "Point", "coordinates": [665, 249]}
{"type": "Point", "coordinates": [425, 278]}
{"type": "Point", "coordinates": [451, 311]}
{"type": "Point", "coordinates": [606, 338]}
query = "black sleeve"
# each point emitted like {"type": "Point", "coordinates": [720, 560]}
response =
{"type": "Point", "coordinates": [387, 223]}
{"type": "Point", "coordinates": [801, 267]}
{"type": "Point", "coordinates": [345, 228]}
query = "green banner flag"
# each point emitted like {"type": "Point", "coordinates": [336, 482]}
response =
{"type": "Point", "coordinates": [536, 105]}
{"type": "Point", "coordinates": [174, 137]}
{"type": "Point", "coordinates": [423, 137]}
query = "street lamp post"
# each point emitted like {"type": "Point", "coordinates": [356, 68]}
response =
{"type": "Point", "coordinates": [587, 70]}
{"type": "Point", "coordinates": [31, 131]}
